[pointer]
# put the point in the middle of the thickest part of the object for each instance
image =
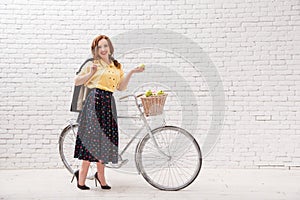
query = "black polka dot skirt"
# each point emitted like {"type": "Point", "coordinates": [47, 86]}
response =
{"type": "Point", "coordinates": [97, 138]}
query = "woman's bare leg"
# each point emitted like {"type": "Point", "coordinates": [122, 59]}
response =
{"type": "Point", "coordinates": [83, 172]}
{"type": "Point", "coordinates": [101, 175]}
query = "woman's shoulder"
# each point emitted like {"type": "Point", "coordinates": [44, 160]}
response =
{"type": "Point", "coordinates": [85, 66]}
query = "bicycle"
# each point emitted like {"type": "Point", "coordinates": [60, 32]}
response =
{"type": "Point", "coordinates": [168, 157]}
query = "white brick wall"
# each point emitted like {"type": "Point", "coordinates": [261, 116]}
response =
{"type": "Point", "coordinates": [253, 44]}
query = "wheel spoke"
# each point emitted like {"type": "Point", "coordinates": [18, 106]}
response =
{"type": "Point", "coordinates": [172, 173]}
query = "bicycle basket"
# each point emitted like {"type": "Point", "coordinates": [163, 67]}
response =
{"type": "Point", "coordinates": [154, 105]}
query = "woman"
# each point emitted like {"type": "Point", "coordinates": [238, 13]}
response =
{"type": "Point", "coordinates": [97, 138]}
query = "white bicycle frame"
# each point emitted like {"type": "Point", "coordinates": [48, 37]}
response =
{"type": "Point", "coordinates": [142, 117]}
{"type": "Point", "coordinates": [148, 128]}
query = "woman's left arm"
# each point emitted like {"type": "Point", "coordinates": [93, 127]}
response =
{"type": "Point", "coordinates": [123, 84]}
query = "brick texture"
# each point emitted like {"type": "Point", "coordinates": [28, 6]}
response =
{"type": "Point", "coordinates": [253, 44]}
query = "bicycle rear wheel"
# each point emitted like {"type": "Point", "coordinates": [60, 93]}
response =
{"type": "Point", "coordinates": [67, 141]}
{"type": "Point", "coordinates": [175, 170]}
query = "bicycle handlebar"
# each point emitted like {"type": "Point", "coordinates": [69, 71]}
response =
{"type": "Point", "coordinates": [131, 95]}
{"type": "Point", "coordinates": [135, 98]}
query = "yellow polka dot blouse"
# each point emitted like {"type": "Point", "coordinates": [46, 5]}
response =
{"type": "Point", "coordinates": [107, 77]}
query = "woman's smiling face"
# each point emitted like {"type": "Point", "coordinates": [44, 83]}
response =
{"type": "Point", "coordinates": [103, 49]}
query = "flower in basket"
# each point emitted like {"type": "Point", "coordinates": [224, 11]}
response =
{"type": "Point", "coordinates": [160, 92]}
{"type": "Point", "coordinates": [149, 93]}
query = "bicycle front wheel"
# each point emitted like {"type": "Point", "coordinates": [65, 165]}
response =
{"type": "Point", "coordinates": [174, 163]}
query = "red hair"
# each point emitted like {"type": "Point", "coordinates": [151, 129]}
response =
{"type": "Point", "coordinates": [94, 49]}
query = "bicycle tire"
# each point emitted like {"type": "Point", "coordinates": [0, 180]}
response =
{"type": "Point", "coordinates": [148, 162]}
{"type": "Point", "coordinates": [61, 149]}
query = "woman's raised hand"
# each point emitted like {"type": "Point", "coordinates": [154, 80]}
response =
{"type": "Point", "coordinates": [139, 68]}
{"type": "Point", "coordinates": [93, 68]}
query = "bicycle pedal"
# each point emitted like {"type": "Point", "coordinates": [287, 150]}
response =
{"type": "Point", "coordinates": [124, 162]}
{"type": "Point", "coordinates": [120, 164]}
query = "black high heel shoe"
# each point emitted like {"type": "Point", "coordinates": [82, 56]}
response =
{"type": "Point", "coordinates": [104, 187]}
{"type": "Point", "coordinates": [82, 187]}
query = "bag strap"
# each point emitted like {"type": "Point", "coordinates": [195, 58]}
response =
{"type": "Point", "coordinates": [88, 60]}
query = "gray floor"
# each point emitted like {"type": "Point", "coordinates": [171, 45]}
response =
{"type": "Point", "coordinates": [222, 184]}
